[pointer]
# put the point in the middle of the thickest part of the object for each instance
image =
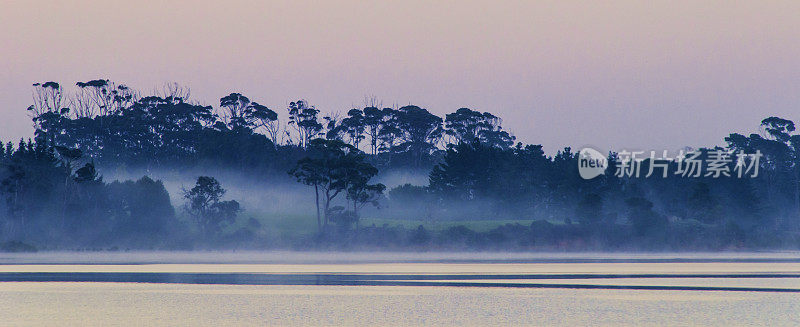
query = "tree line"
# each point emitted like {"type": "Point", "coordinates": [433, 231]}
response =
{"type": "Point", "coordinates": [114, 124]}
{"type": "Point", "coordinates": [476, 172]}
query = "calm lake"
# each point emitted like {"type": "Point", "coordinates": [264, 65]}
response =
{"type": "Point", "coordinates": [290, 288]}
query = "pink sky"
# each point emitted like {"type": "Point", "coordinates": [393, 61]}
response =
{"type": "Point", "coordinates": [632, 74]}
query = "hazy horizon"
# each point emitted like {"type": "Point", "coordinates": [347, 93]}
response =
{"type": "Point", "coordinates": [623, 74]}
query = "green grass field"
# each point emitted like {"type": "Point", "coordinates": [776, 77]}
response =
{"type": "Point", "coordinates": [293, 225]}
{"type": "Point", "coordinates": [475, 225]}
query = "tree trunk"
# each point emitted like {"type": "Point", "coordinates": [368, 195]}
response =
{"type": "Point", "coordinates": [797, 191]}
{"type": "Point", "coordinates": [355, 213]}
{"type": "Point", "coordinates": [319, 219]}
{"type": "Point", "coordinates": [64, 200]}
{"type": "Point", "coordinates": [327, 205]}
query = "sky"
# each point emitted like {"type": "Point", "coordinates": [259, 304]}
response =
{"type": "Point", "coordinates": [615, 75]}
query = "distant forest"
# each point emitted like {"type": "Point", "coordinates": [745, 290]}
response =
{"type": "Point", "coordinates": [54, 195]}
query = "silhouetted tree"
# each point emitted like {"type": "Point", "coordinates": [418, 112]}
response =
{"type": "Point", "coordinates": [205, 204]}
{"type": "Point", "coordinates": [304, 119]}
{"type": "Point", "coordinates": [420, 131]}
{"type": "Point", "coordinates": [589, 209]}
{"type": "Point", "coordinates": [467, 125]}
{"type": "Point", "coordinates": [373, 122]}
{"type": "Point", "coordinates": [354, 126]}
{"type": "Point", "coordinates": [267, 119]}
{"type": "Point", "coordinates": [332, 167]}
{"type": "Point", "coordinates": [642, 217]}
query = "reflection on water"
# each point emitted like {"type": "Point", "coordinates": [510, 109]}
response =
{"type": "Point", "coordinates": [214, 305]}
{"type": "Point", "coordinates": [429, 289]}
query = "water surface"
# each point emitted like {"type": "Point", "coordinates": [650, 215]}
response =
{"type": "Point", "coordinates": [281, 288]}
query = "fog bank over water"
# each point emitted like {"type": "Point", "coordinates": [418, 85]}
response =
{"type": "Point", "coordinates": [310, 258]}
{"type": "Point", "coordinates": [260, 194]}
